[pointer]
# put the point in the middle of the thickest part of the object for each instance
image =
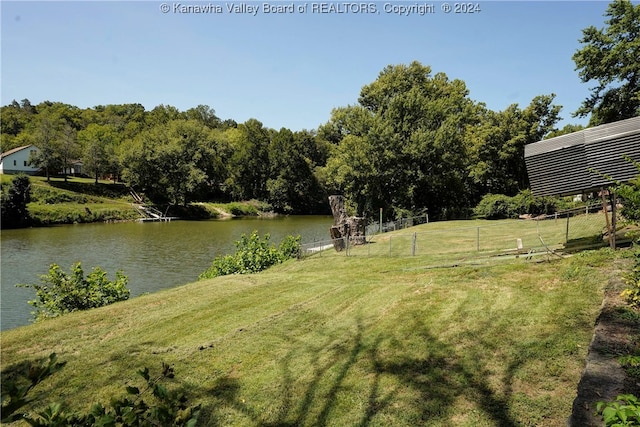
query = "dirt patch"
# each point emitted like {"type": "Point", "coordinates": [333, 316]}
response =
{"type": "Point", "coordinates": [603, 378]}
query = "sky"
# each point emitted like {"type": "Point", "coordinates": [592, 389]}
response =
{"type": "Point", "coordinates": [286, 68]}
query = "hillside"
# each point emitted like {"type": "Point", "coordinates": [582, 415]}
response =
{"type": "Point", "coordinates": [334, 340]}
{"type": "Point", "coordinates": [80, 200]}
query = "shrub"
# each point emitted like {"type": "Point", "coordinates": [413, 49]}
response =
{"type": "Point", "coordinates": [624, 411]}
{"type": "Point", "coordinates": [162, 408]}
{"type": "Point", "coordinates": [14, 202]}
{"type": "Point", "coordinates": [632, 279]}
{"type": "Point", "coordinates": [253, 254]}
{"type": "Point", "coordinates": [499, 206]}
{"type": "Point", "coordinates": [59, 293]}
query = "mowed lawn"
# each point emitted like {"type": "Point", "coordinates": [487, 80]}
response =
{"type": "Point", "coordinates": [343, 341]}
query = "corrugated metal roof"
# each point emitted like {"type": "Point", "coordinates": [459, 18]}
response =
{"type": "Point", "coordinates": [585, 160]}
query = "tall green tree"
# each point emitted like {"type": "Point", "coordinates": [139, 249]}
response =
{"type": "Point", "coordinates": [609, 57]}
{"type": "Point", "coordinates": [292, 186]}
{"type": "Point", "coordinates": [69, 148]}
{"type": "Point", "coordinates": [408, 137]}
{"type": "Point", "coordinates": [249, 163]}
{"type": "Point", "coordinates": [99, 143]}
{"type": "Point", "coordinates": [496, 145]}
{"type": "Point", "coordinates": [47, 138]}
{"type": "Point", "coordinates": [171, 162]}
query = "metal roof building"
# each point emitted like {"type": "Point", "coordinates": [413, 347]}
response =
{"type": "Point", "coordinates": [579, 162]}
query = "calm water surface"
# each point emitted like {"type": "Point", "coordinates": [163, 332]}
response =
{"type": "Point", "coordinates": [153, 255]}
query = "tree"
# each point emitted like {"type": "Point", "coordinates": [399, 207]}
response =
{"type": "Point", "coordinates": [249, 163]}
{"type": "Point", "coordinates": [204, 114]}
{"type": "Point", "coordinates": [69, 148]}
{"type": "Point", "coordinates": [14, 203]}
{"type": "Point", "coordinates": [292, 186]}
{"type": "Point", "coordinates": [407, 142]}
{"type": "Point", "coordinates": [609, 56]}
{"type": "Point", "coordinates": [172, 162]}
{"type": "Point", "coordinates": [496, 145]}
{"type": "Point", "coordinates": [46, 138]}
{"type": "Point", "coordinates": [98, 155]}
{"type": "Point", "coordinates": [567, 129]}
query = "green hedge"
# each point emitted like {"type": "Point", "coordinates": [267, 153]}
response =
{"type": "Point", "coordinates": [499, 206]}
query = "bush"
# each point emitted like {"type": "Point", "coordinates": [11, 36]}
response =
{"type": "Point", "coordinates": [253, 254]}
{"type": "Point", "coordinates": [13, 203]}
{"type": "Point", "coordinates": [624, 411]}
{"type": "Point", "coordinates": [162, 408]}
{"type": "Point", "coordinates": [59, 293]}
{"type": "Point", "coordinates": [632, 279]}
{"type": "Point", "coordinates": [499, 206]}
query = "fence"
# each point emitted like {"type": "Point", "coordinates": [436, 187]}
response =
{"type": "Point", "coordinates": [570, 230]}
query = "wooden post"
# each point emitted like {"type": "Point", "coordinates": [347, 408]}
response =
{"type": "Point", "coordinates": [413, 245]}
{"type": "Point", "coordinates": [606, 214]}
{"type": "Point", "coordinates": [612, 240]}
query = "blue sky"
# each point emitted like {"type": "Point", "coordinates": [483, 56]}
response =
{"type": "Point", "coordinates": [286, 70]}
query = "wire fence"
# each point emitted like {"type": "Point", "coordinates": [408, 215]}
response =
{"type": "Point", "coordinates": [569, 230]}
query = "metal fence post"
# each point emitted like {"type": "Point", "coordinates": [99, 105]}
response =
{"type": "Point", "coordinates": [566, 236]}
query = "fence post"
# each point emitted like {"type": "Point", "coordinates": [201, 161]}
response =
{"type": "Point", "coordinates": [413, 246]}
{"type": "Point", "coordinates": [380, 220]}
{"type": "Point", "coordinates": [478, 239]}
{"type": "Point", "coordinates": [566, 235]}
{"type": "Point", "coordinates": [390, 245]}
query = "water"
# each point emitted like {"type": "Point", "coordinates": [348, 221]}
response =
{"type": "Point", "coordinates": [154, 256]}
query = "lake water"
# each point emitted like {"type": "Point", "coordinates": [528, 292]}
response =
{"type": "Point", "coordinates": [154, 255]}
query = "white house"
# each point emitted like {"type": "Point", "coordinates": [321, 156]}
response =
{"type": "Point", "coordinates": [17, 160]}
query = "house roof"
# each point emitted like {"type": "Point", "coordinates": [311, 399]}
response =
{"type": "Point", "coordinates": [14, 150]}
{"type": "Point", "coordinates": [585, 160]}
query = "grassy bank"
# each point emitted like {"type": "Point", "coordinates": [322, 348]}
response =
{"type": "Point", "coordinates": [335, 340]}
{"type": "Point", "coordinates": [81, 200]}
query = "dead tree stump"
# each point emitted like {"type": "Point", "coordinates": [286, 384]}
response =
{"type": "Point", "coordinates": [346, 230]}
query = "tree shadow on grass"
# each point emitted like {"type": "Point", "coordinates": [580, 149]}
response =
{"type": "Point", "coordinates": [380, 372]}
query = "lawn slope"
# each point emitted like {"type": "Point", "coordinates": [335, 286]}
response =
{"type": "Point", "coordinates": [343, 341]}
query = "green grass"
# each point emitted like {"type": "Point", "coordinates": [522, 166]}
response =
{"type": "Point", "coordinates": [343, 341]}
{"type": "Point", "coordinates": [452, 242]}
{"type": "Point", "coordinates": [76, 201]}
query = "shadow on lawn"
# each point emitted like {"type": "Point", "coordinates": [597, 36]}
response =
{"type": "Point", "coordinates": [391, 386]}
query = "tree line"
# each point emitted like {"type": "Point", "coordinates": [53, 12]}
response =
{"type": "Point", "coordinates": [414, 141]}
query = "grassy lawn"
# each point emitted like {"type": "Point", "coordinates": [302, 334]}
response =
{"type": "Point", "coordinates": [343, 341]}
{"type": "Point", "coordinates": [454, 242]}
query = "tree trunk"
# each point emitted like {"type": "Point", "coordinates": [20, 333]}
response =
{"type": "Point", "coordinates": [345, 227]}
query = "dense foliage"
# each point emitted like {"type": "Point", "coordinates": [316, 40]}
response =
{"type": "Point", "coordinates": [416, 140]}
{"type": "Point", "coordinates": [13, 203]}
{"type": "Point", "coordinates": [499, 206]}
{"type": "Point", "coordinates": [609, 56]}
{"type": "Point", "coordinates": [622, 412]}
{"type": "Point", "coordinates": [59, 293]}
{"type": "Point", "coordinates": [162, 408]}
{"type": "Point", "coordinates": [253, 254]}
